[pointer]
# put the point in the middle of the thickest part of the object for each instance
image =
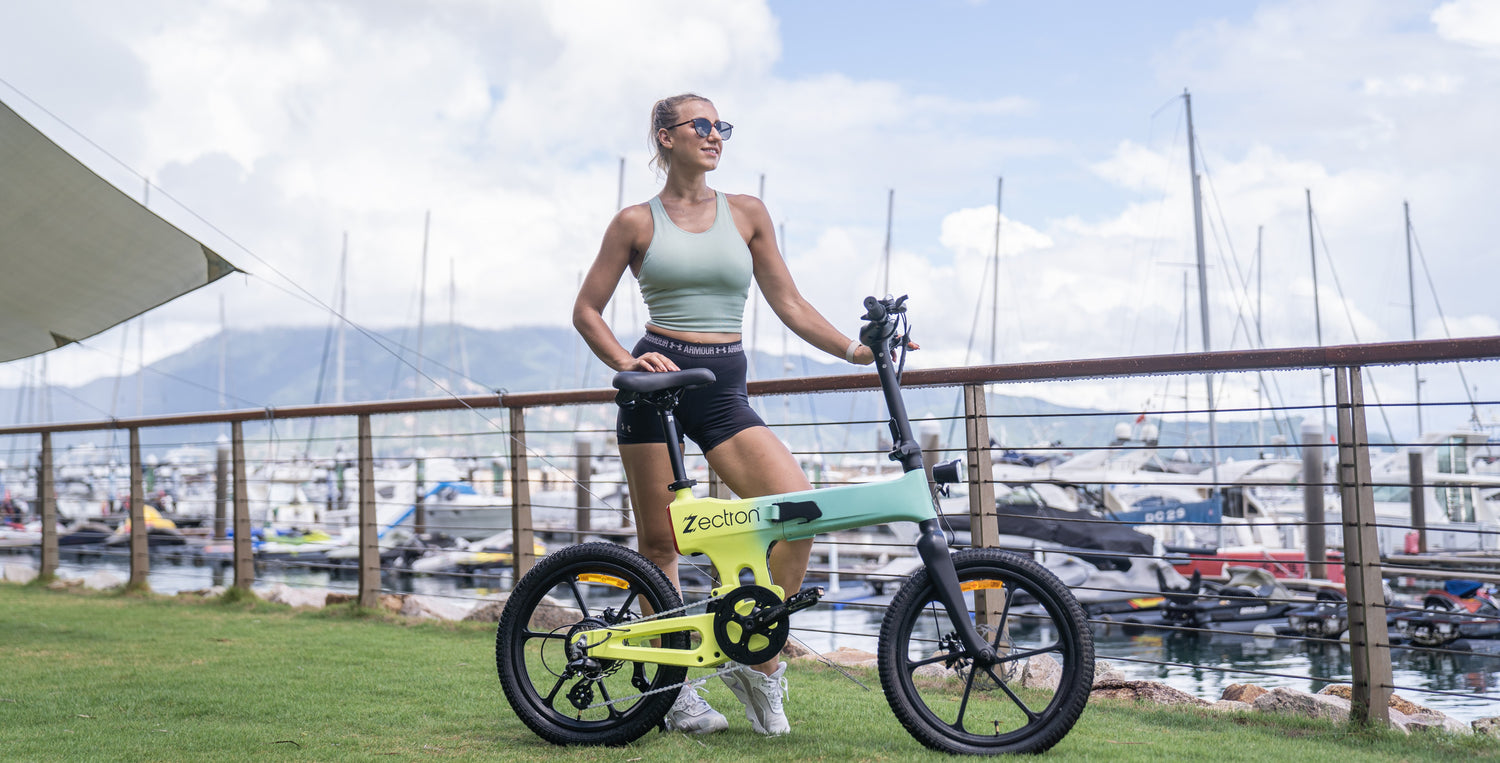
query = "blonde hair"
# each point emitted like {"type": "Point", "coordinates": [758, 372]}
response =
{"type": "Point", "coordinates": [664, 114]}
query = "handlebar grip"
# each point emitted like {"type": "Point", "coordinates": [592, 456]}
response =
{"type": "Point", "coordinates": [874, 309]}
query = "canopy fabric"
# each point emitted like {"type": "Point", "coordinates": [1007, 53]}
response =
{"type": "Point", "coordinates": [77, 255]}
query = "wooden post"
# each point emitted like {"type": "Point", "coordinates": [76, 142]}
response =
{"type": "Point", "coordinates": [47, 494]}
{"type": "Point", "coordinates": [1315, 533]}
{"type": "Point", "coordinates": [583, 470]}
{"type": "Point", "coordinates": [419, 464]}
{"type": "Point", "coordinates": [244, 559]}
{"type": "Point", "coordinates": [523, 551]}
{"type": "Point", "coordinates": [140, 555]}
{"type": "Point", "coordinates": [369, 529]}
{"type": "Point", "coordinates": [716, 486]}
{"type": "Point", "coordinates": [1418, 498]}
{"type": "Point", "coordinates": [983, 523]}
{"type": "Point", "coordinates": [221, 489]}
{"type": "Point", "coordinates": [1369, 642]}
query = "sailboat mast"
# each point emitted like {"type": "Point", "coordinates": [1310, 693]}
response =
{"type": "Point", "coordinates": [1411, 290]}
{"type": "Point", "coordinates": [1260, 342]}
{"type": "Point", "coordinates": [1317, 308]}
{"type": "Point", "coordinates": [422, 300]}
{"type": "Point", "coordinates": [1208, 379]}
{"type": "Point", "coordinates": [338, 367]}
{"type": "Point", "coordinates": [995, 276]}
{"type": "Point", "coordinates": [890, 208]}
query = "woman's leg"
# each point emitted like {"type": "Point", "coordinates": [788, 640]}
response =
{"type": "Point", "coordinates": [754, 462]}
{"type": "Point", "coordinates": [648, 470]}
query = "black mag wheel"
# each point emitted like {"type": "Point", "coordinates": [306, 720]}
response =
{"type": "Point", "coordinates": [1040, 632]}
{"type": "Point", "coordinates": [571, 698]}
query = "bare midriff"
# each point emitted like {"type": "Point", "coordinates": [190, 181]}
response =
{"type": "Point", "coordinates": [696, 337]}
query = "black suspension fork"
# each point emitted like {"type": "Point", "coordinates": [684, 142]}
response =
{"type": "Point", "coordinates": [932, 544]}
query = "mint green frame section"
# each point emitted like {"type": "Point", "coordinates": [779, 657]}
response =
{"type": "Point", "coordinates": [735, 534]}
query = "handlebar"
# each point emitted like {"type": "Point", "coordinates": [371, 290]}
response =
{"type": "Point", "coordinates": [882, 317]}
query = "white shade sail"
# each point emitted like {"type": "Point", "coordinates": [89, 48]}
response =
{"type": "Point", "coordinates": [77, 255]}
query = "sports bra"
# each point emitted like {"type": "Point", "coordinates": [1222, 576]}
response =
{"type": "Point", "coordinates": [696, 281]}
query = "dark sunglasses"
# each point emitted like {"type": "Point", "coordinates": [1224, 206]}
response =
{"type": "Point", "coordinates": [702, 126]}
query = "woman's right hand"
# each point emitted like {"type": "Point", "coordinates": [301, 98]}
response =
{"type": "Point", "coordinates": [652, 361]}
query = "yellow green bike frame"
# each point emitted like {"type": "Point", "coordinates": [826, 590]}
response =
{"type": "Point", "coordinates": [735, 535]}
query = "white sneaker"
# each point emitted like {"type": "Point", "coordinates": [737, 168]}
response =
{"type": "Point", "coordinates": [691, 713]}
{"type": "Point", "coordinates": [762, 696]}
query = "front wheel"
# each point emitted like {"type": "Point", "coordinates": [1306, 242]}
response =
{"type": "Point", "coordinates": [569, 698]}
{"type": "Point", "coordinates": [1025, 702]}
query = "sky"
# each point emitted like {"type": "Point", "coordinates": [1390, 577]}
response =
{"type": "Point", "coordinates": [270, 129]}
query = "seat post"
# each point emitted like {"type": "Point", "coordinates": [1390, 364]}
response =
{"type": "Point", "coordinates": [680, 479]}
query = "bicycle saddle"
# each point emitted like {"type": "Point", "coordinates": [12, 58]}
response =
{"type": "Point", "coordinates": [644, 382]}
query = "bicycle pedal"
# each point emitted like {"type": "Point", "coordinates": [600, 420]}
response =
{"type": "Point", "coordinates": [803, 599]}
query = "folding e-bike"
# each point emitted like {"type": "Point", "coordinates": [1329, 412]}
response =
{"type": "Point", "coordinates": [981, 651]}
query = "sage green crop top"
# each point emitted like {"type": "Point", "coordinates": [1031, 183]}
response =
{"type": "Point", "coordinates": [696, 281]}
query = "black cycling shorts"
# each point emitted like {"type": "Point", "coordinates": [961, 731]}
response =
{"type": "Point", "coordinates": [709, 415]}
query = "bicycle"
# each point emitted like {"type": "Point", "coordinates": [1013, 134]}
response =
{"type": "Point", "coordinates": [594, 642]}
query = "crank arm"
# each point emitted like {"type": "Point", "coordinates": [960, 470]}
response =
{"type": "Point", "coordinates": [797, 602]}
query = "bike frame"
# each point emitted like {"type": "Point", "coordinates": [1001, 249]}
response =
{"type": "Point", "coordinates": [735, 535]}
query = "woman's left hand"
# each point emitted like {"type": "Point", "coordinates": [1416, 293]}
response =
{"type": "Point", "coordinates": [864, 356]}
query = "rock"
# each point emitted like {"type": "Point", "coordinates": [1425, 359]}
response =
{"type": "Point", "coordinates": [1293, 702]}
{"type": "Point", "coordinates": [1489, 727]}
{"type": "Point", "coordinates": [102, 580]}
{"type": "Point", "coordinates": [1245, 693]}
{"type": "Point", "coordinates": [434, 608]}
{"type": "Point", "coordinates": [487, 611]}
{"type": "Point", "coordinates": [1396, 702]}
{"type": "Point", "coordinates": [793, 650]}
{"type": "Point", "coordinates": [339, 598]}
{"type": "Point", "coordinates": [17, 573]}
{"type": "Point", "coordinates": [1231, 706]}
{"type": "Point", "coordinates": [851, 658]}
{"type": "Point", "coordinates": [390, 602]}
{"type": "Point", "coordinates": [1400, 721]}
{"type": "Point", "coordinates": [1041, 672]}
{"type": "Point", "coordinates": [1144, 691]}
{"type": "Point", "coordinates": [1430, 722]}
{"type": "Point", "coordinates": [204, 593]}
{"type": "Point", "coordinates": [1105, 671]}
{"type": "Point", "coordinates": [293, 596]}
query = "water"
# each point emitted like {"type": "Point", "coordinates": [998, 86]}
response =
{"type": "Point", "coordinates": [1209, 663]}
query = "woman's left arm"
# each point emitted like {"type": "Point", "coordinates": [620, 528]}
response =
{"type": "Point", "coordinates": [780, 290]}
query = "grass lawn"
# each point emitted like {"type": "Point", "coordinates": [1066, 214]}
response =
{"type": "Point", "coordinates": [90, 676]}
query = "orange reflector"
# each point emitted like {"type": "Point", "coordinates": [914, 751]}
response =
{"type": "Point", "coordinates": [1147, 602]}
{"type": "Point", "coordinates": [593, 577]}
{"type": "Point", "coordinates": [975, 585]}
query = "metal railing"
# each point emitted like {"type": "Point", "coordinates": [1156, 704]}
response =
{"type": "Point", "coordinates": [526, 441]}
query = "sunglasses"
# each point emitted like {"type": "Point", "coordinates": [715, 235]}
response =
{"type": "Point", "coordinates": [702, 126]}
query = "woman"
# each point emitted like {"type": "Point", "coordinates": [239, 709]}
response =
{"type": "Point", "coordinates": [694, 251]}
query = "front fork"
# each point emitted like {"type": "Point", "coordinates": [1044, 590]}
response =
{"type": "Point", "coordinates": [932, 546]}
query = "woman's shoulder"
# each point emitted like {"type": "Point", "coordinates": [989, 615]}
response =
{"type": "Point", "coordinates": [635, 215]}
{"type": "Point", "coordinates": [746, 205]}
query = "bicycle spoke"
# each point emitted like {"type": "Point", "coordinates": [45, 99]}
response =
{"type": "Point", "coordinates": [1030, 714]}
{"type": "Point", "coordinates": [963, 704]}
{"type": "Point", "coordinates": [1057, 647]}
{"type": "Point", "coordinates": [913, 665]}
{"type": "Point", "coordinates": [557, 687]}
{"type": "Point", "coordinates": [604, 694]}
{"type": "Point", "coordinates": [630, 595]}
{"type": "Point", "coordinates": [1004, 614]}
{"type": "Point", "coordinates": [578, 595]}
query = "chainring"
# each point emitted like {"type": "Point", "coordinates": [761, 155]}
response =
{"type": "Point", "coordinates": [735, 630]}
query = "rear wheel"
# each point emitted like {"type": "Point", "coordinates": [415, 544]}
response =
{"type": "Point", "coordinates": [1025, 702]}
{"type": "Point", "coordinates": [568, 698]}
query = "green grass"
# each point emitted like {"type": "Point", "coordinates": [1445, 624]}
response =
{"type": "Point", "coordinates": [135, 677]}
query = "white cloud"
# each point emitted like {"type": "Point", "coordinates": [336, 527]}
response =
{"type": "Point", "coordinates": [1476, 22]}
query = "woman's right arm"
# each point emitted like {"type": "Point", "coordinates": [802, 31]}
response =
{"type": "Point", "coordinates": [621, 241]}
